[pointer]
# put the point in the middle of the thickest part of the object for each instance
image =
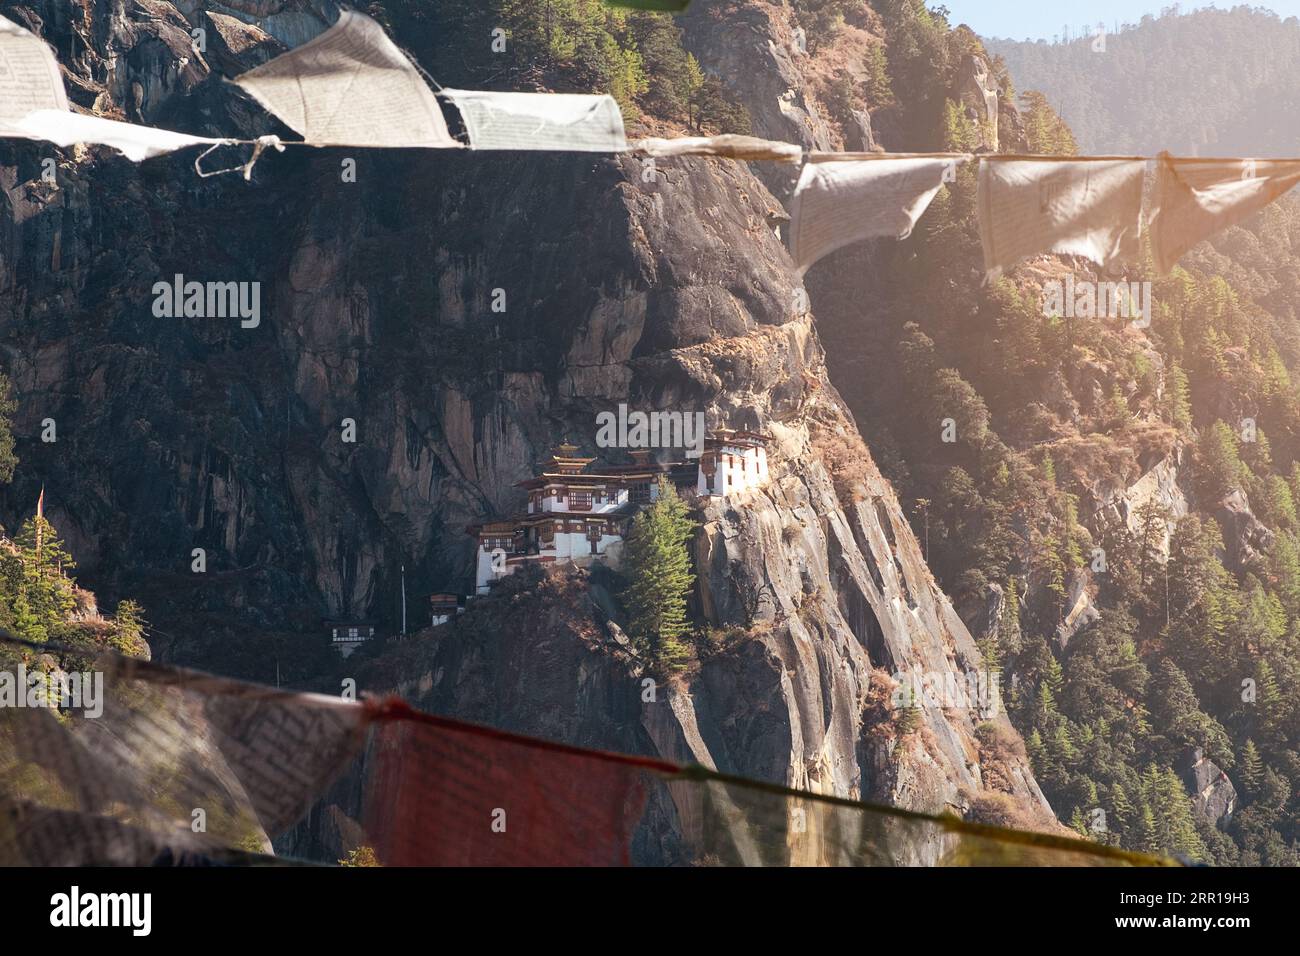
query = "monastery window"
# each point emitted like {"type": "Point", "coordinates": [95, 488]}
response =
{"type": "Point", "coordinates": [580, 500]}
{"type": "Point", "coordinates": [638, 493]}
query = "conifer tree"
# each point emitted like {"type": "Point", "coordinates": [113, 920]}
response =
{"type": "Point", "coordinates": [694, 83]}
{"type": "Point", "coordinates": [1153, 522]}
{"type": "Point", "coordinates": [1175, 819]}
{"type": "Point", "coordinates": [1252, 768]}
{"type": "Point", "coordinates": [8, 460]}
{"type": "Point", "coordinates": [1009, 637]}
{"type": "Point", "coordinates": [1046, 133]}
{"type": "Point", "coordinates": [1220, 462]}
{"type": "Point", "coordinates": [1071, 551]}
{"type": "Point", "coordinates": [1053, 568]}
{"type": "Point", "coordinates": [659, 567]}
{"type": "Point", "coordinates": [1177, 398]}
{"type": "Point", "coordinates": [879, 92]}
{"type": "Point", "coordinates": [1269, 706]}
{"type": "Point", "coordinates": [46, 563]}
{"type": "Point", "coordinates": [27, 623]}
{"type": "Point", "coordinates": [1146, 839]}
{"type": "Point", "coordinates": [1122, 811]}
{"type": "Point", "coordinates": [1177, 716]}
{"type": "Point", "coordinates": [1079, 823]}
{"type": "Point", "coordinates": [1063, 746]}
{"type": "Point", "coordinates": [1037, 752]}
{"type": "Point", "coordinates": [909, 719]}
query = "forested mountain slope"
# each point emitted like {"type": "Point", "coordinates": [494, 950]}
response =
{"type": "Point", "coordinates": [1206, 83]}
{"type": "Point", "coordinates": [1116, 519]}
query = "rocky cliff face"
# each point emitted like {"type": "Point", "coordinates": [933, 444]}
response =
{"type": "Point", "coordinates": [663, 292]}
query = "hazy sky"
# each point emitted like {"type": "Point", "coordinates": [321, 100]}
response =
{"type": "Point", "coordinates": [1043, 19]}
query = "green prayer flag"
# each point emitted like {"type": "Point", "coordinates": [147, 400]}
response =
{"type": "Point", "coordinates": [673, 6]}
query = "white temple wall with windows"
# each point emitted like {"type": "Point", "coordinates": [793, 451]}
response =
{"type": "Point", "coordinates": [735, 469]}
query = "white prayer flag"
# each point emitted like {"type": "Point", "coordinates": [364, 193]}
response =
{"type": "Point", "coordinates": [841, 202]}
{"type": "Point", "coordinates": [350, 86]}
{"type": "Point", "coordinates": [727, 146]}
{"type": "Point", "coordinates": [1030, 207]}
{"type": "Point", "coordinates": [567, 122]}
{"type": "Point", "coordinates": [1196, 198]}
{"type": "Point", "coordinates": [29, 74]}
{"type": "Point", "coordinates": [34, 105]}
{"type": "Point", "coordinates": [138, 143]}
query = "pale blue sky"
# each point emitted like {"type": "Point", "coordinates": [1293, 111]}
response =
{"type": "Point", "coordinates": [1043, 19]}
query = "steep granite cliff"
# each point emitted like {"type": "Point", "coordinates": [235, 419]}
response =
{"type": "Point", "coordinates": [667, 291]}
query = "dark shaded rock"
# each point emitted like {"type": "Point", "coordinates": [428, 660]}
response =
{"type": "Point", "coordinates": [1214, 798]}
{"type": "Point", "coordinates": [860, 135]}
{"type": "Point", "coordinates": [982, 617]}
{"type": "Point", "coordinates": [235, 47]}
{"type": "Point", "coordinates": [978, 95]}
{"type": "Point", "coordinates": [1244, 536]}
{"type": "Point", "coordinates": [1080, 611]}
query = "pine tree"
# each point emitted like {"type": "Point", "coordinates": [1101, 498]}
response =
{"type": "Point", "coordinates": [659, 567]}
{"type": "Point", "coordinates": [1062, 745]}
{"type": "Point", "coordinates": [1146, 839]}
{"type": "Point", "coordinates": [129, 626]}
{"type": "Point", "coordinates": [1009, 637]}
{"type": "Point", "coordinates": [1220, 462]}
{"type": "Point", "coordinates": [1071, 552]}
{"type": "Point", "coordinates": [990, 652]}
{"type": "Point", "coordinates": [959, 132]}
{"type": "Point", "coordinates": [1269, 706]}
{"type": "Point", "coordinates": [694, 90]}
{"type": "Point", "coordinates": [46, 563]}
{"type": "Point", "coordinates": [1037, 752]}
{"type": "Point", "coordinates": [1153, 523]}
{"type": "Point", "coordinates": [8, 460]}
{"type": "Point", "coordinates": [1252, 768]}
{"type": "Point", "coordinates": [1122, 811]}
{"type": "Point", "coordinates": [909, 719]}
{"type": "Point", "coordinates": [579, 37]}
{"type": "Point", "coordinates": [1052, 568]}
{"type": "Point", "coordinates": [1175, 818]}
{"type": "Point", "coordinates": [1177, 398]}
{"type": "Point", "coordinates": [879, 92]}
{"type": "Point", "coordinates": [1046, 715]}
{"type": "Point", "coordinates": [28, 624]}
{"type": "Point", "coordinates": [1046, 133]}
{"type": "Point", "coordinates": [1177, 716]}
{"type": "Point", "coordinates": [1079, 823]}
